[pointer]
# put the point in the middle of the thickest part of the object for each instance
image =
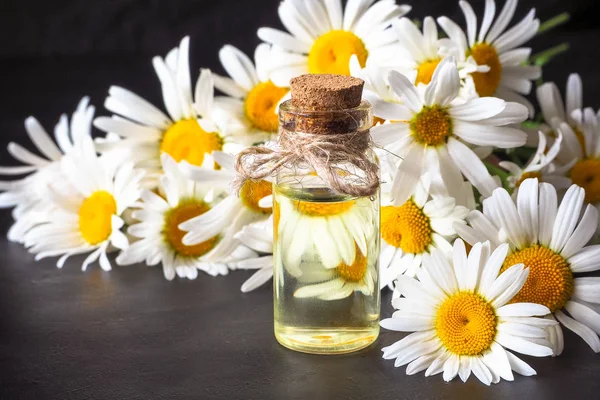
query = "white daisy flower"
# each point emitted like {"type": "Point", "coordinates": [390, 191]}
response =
{"type": "Point", "coordinates": [328, 269]}
{"type": "Point", "coordinates": [420, 52]}
{"type": "Point", "coordinates": [558, 115]}
{"type": "Point", "coordinates": [191, 131]}
{"type": "Point", "coordinates": [579, 156]}
{"type": "Point", "coordinates": [304, 225]}
{"type": "Point", "coordinates": [584, 166]}
{"type": "Point", "coordinates": [254, 202]}
{"type": "Point", "coordinates": [342, 281]}
{"type": "Point", "coordinates": [257, 236]}
{"type": "Point", "coordinates": [431, 125]}
{"type": "Point", "coordinates": [550, 239]}
{"type": "Point", "coordinates": [323, 37]}
{"type": "Point", "coordinates": [28, 195]}
{"type": "Point", "coordinates": [461, 319]}
{"type": "Point", "coordinates": [252, 98]}
{"type": "Point", "coordinates": [87, 217]}
{"type": "Point", "coordinates": [508, 77]}
{"type": "Point", "coordinates": [160, 239]}
{"type": "Point", "coordinates": [540, 166]}
{"type": "Point", "coordinates": [415, 228]}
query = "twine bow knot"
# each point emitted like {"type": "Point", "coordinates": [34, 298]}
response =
{"type": "Point", "coordinates": [340, 160]}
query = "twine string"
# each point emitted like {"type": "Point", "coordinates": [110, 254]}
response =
{"type": "Point", "coordinates": [340, 160]}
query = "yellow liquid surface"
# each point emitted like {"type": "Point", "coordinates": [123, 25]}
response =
{"type": "Point", "coordinates": [326, 277]}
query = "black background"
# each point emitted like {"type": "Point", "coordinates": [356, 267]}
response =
{"type": "Point", "coordinates": [129, 333]}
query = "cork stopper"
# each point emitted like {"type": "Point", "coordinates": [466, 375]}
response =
{"type": "Point", "coordinates": [324, 92]}
{"type": "Point", "coordinates": [325, 104]}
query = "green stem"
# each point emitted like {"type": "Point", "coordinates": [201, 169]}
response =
{"type": "Point", "coordinates": [530, 124]}
{"type": "Point", "coordinates": [542, 58]}
{"type": "Point", "coordinates": [553, 22]}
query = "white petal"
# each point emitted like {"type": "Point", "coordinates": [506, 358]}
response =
{"type": "Point", "coordinates": [319, 288]}
{"type": "Point", "coordinates": [567, 217]}
{"type": "Point", "coordinates": [258, 279]}
{"type": "Point", "coordinates": [488, 18]}
{"type": "Point", "coordinates": [548, 204]}
{"type": "Point", "coordinates": [485, 135]}
{"type": "Point", "coordinates": [477, 109]}
{"type": "Point", "coordinates": [451, 367]}
{"type": "Point", "coordinates": [492, 268]}
{"type": "Point", "coordinates": [41, 139]}
{"type": "Point", "coordinates": [444, 85]}
{"type": "Point", "coordinates": [408, 175]}
{"type": "Point", "coordinates": [471, 21]}
{"type": "Point", "coordinates": [130, 105]}
{"type": "Point", "coordinates": [522, 346]}
{"type": "Point", "coordinates": [574, 93]}
{"type": "Point", "coordinates": [504, 282]}
{"type": "Point", "coordinates": [239, 67]}
{"type": "Point", "coordinates": [283, 40]}
{"type": "Point", "coordinates": [522, 310]}
{"type": "Point", "coordinates": [586, 260]}
{"type": "Point", "coordinates": [522, 330]}
{"type": "Point", "coordinates": [406, 90]}
{"type": "Point", "coordinates": [587, 289]}
{"type": "Point", "coordinates": [503, 210]}
{"type": "Point", "coordinates": [583, 233]}
{"type": "Point", "coordinates": [586, 333]}
{"type": "Point", "coordinates": [519, 366]}
{"type": "Point", "coordinates": [471, 167]}
{"type": "Point", "coordinates": [481, 371]}
{"type": "Point", "coordinates": [386, 134]}
{"type": "Point", "coordinates": [460, 263]}
{"type": "Point", "coordinates": [585, 315]}
{"type": "Point", "coordinates": [391, 111]}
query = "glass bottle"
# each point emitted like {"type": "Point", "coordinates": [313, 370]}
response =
{"type": "Point", "coordinates": [326, 244]}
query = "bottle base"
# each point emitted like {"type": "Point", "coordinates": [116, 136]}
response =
{"type": "Point", "coordinates": [326, 341]}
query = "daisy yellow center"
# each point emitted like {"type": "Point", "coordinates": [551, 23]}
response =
{"type": "Point", "coordinates": [331, 52]}
{"type": "Point", "coordinates": [260, 105]}
{"type": "Point", "coordinates": [425, 71]}
{"type": "Point", "coordinates": [586, 173]}
{"type": "Point", "coordinates": [527, 175]}
{"type": "Point", "coordinates": [550, 280]}
{"type": "Point", "coordinates": [406, 227]}
{"type": "Point", "coordinates": [95, 217]}
{"type": "Point", "coordinates": [253, 191]}
{"type": "Point", "coordinates": [486, 83]}
{"type": "Point", "coordinates": [185, 211]}
{"type": "Point", "coordinates": [431, 126]}
{"type": "Point", "coordinates": [466, 324]}
{"type": "Point", "coordinates": [186, 140]}
{"type": "Point", "coordinates": [355, 272]}
{"type": "Point", "coordinates": [314, 209]}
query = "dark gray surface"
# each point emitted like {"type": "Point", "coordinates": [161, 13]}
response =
{"type": "Point", "coordinates": [129, 333]}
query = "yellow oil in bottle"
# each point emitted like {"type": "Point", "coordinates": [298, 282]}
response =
{"type": "Point", "coordinates": [326, 278]}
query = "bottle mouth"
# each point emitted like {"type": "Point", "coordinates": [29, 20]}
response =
{"type": "Point", "coordinates": [288, 107]}
{"type": "Point", "coordinates": [348, 120]}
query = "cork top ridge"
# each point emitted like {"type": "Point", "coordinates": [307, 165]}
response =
{"type": "Point", "coordinates": [322, 92]}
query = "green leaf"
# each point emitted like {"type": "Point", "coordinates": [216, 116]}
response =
{"type": "Point", "coordinates": [544, 57]}
{"type": "Point", "coordinates": [554, 22]}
